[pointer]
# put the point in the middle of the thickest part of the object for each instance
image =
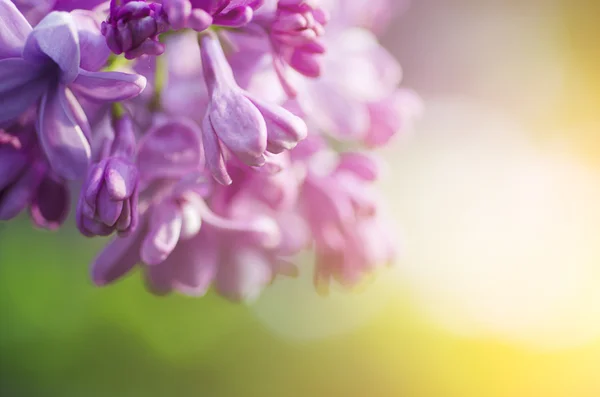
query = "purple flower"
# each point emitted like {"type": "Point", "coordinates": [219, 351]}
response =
{"type": "Point", "coordinates": [133, 27]}
{"type": "Point", "coordinates": [184, 244]}
{"type": "Point", "coordinates": [43, 65]}
{"type": "Point", "coordinates": [26, 181]}
{"type": "Point", "coordinates": [391, 115]}
{"type": "Point", "coordinates": [200, 14]}
{"type": "Point", "coordinates": [357, 71]}
{"type": "Point", "coordinates": [244, 124]}
{"type": "Point", "coordinates": [341, 209]}
{"type": "Point", "coordinates": [201, 177]}
{"type": "Point", "coordinates": [176, 214]}
{"type": "Point", "coordinates": [109, 198]}
{"type": "Point", "coordinates": [296, 35]}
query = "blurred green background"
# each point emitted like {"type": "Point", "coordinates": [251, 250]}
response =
{"type": "Point", "coordinates": [492, 298]}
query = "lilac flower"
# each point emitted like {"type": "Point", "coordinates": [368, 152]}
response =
{"type": "Point", "coordinates": [183, 243]}
{"type": "Point", "coordinates": [26, 181]}
{"type": "Point", "coordinates": [342, 212]}
{"type": "Point", "coordinates": [244, 124]}
{"type": "Point", "coordinates": [43, 64]}
{"type": "Point", "coordinates": [357, 71]}
{"type": "Point", "coordinates": [391, 115]}
{"type": "Point", "coordinates": [296, 35]}
{"type": "Point", "coordinates": [200, 14]}
{"type": "Point", "coordinates": [133, 28]}
{"type": "Point", "coordinates": [201, 176]}
{"type": "Point", "coordinates": [109, 197]}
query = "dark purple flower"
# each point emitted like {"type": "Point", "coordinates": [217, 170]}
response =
{"type": "Point", "coordinates": [27, 181]}
{"type": "Point", "coordinates": [109, 197]}
{"type": "Point", "coordinates": [133, 27]}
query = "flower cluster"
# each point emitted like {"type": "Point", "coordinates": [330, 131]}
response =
{"type": "Point", "coordinates": [216, 139]}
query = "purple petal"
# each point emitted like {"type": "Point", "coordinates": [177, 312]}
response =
{"type": "Point", "coordinates": [163, 233]}
{"type": "Point", "coordinates": [359, 164]}
{"type": "Point", "coordinates": [79, 115]}
{"type": "Point", "coordinates": [108, 86]}
{"type": "Point", "coordinates": [116, 259]}
{"type": "Point", "coordinates": [239, 125]}
{"type": "Point", "coordinates": [220, 6]}
{"type": "Point", "coordinates": [107, 209]}
{"type": "Point", "coordinates": [214, 154]}
{"type": "Point", "coordinates": [93, 183]}
{"type": "Point", "coordinates": [135, 214]}
{"type": "Point", "coordinates": [199, 20]}
{"type": "Point", "coordinates": [124, 221]}
{"type": "Point", "coordinates": [94, 51]}
{"type": "Point", "coordinates": [392, 115]}
{"type": "Point", "coordinates": [68, 5]}
{"type": "Point", "coordinates": [284, 129]}
{"type": "Point", "coordinates": [62, 139]}
{"type": "Point", "coordinates": [55, 37]}
{"type": "Point", "coordinates": [178, 11]}
{"type": "Point", "coordinates": [20, 87]}
{"type": "Point", "coordinates": [194, 265]}
{"type": "Point", "coordinates": [235, 18]}
{"type": "Point", "coordinates": [170, 150]}
{"type": "Point", "coordinates": [159, 279]}
{"type": "Point", "coordinates": [244, 275]}
{"type": "Point", "coordinates": [191, 214]}
{"type": "Point", "coordinates": [185, 92]}
{"type": "Point", "coordinates": [50, 205]}
{"type": "Point", "coordinates": [14, 30]}
{"type": "Point", "coordinates": [362, 69]}
{"type": "Point", "coordinates": [17, 197]}
{"type": "Point", "coordinates": [236, 121]}
{"type": "Point", "coordinates": [12, 163]}
{"type": "Point", "coordinates": [121, 179]}
{"type": "Point", "coordinates": [16, 73]}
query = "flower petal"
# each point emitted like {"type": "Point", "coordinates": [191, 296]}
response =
{"type": "Point", "coordinates": [12, 164]}
{"type": "Point", "coordinates": [244, 275]}
{"type": "Point", "coordinates": [94, 51]}
{"type": "Point", "coordinates": [20, 86]}
{"type": "Point", "coordinates": [108, 86]}
{"type": "Point", "coordinates": [55, 37]}
{"type": "Point", "coordinates": [116, 259]}
{"type": "Point", "coordinates": [14, 30]}
{"type": "Point", "coordinates": [62, 139]}
{"type": "Point", "coordinates": [108, 210]}
{"type": "Point", "coordinates": [170, 150]}
{"type": "Point", "coordinates": [214, 154]}
{"type": "Point", "coordinates": [120, 177]}
{"type": "Point", "coordinates": [194, 264]}
{"type": "Point", "coordinates": [159, 279]}
{"type": "Point", "coordinates": [239, 125]}
{"type": "Point", "coordinates": [50, 205]}
{"type": "Point", "coordinates": [15, 198]}
{"type": "Point", "coordinates": [362, 165]}
{"type": "Point", "coordinates": [163, 233]}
